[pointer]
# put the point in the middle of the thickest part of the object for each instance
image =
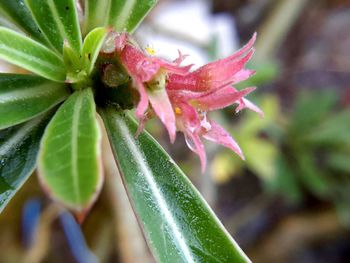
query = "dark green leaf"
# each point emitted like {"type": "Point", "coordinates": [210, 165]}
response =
{"type": "Point", "coordinates": [18, 13]}
{"type": "Point", "coordinates": [58, 20]}
{"type": "Point", "coordinates": [23, 97]}
{"type": "Point", "coordinates": [69, 158]}
{"type": "Point", "coordinates": [178, 224]}
{"type": "Point", "coordinates": [19, 146]}
{"type": "Point", "coordinates": [30, 55]}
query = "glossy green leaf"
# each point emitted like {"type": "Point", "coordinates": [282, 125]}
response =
{"type": "Point", "coordinates": [30, 55]}
{"type": "Point", "coordinates": [126, 15]}
{"type": "Point", "coordinates": [19, 146]}
{"type": "Point", "coordinates": [58, 20]}
{"type": "Point", "coordinates": [18, 13]}
{"type": "Point", "coordinates": [69, 158]}
{"type": "Point", "coordinates": [178, 224]}
{"type": "Point", "coordinates": [96, 14]}
{"type": "Point", "coordinates": [91, 48]}
{"type": "Point", "coordinates": [23, 97]}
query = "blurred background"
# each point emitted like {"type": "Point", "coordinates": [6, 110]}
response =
{"type": "Point", "coordinates": [290, 200]}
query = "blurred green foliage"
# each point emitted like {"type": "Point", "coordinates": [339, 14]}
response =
{"type": "Point", "coordinates": [299, 154]}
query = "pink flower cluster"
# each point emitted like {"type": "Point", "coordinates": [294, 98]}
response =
{"type": "Point", "coordinates": [181, 98]}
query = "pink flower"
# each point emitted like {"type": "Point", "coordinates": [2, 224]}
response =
{"type": "Point", "coordinates": [182, 99]}
{"type": "Point", "coordinates": [206, 89]}
{"type": "Point", "coordinates": [149, 76]}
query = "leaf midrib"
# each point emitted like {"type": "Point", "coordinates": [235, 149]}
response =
{"type": "Point", "coordinates": [74, 148]}
{"type": "Point", "coordinates": [30, 92]}
{"type": "Point", "coordinates": [31, 58]}
{"type": "Point", "coordinates": [126, 12]}
{"type": "Point", "coordinates": [181, 242]}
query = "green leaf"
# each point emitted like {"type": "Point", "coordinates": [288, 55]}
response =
{"type": "Point", "coordinates": [30, 55]}
{"type": "Point", "coordinates": [177, 222]}
{"type": "Point", "coordinates": [339, 161]}
{"type": "Point", "coordinates": [96, 13]}
{"type": "Point", "coordinates": [69, 158]}
{"type": "Point", "coordinates": [261, 157]}
{"type": "Point", "coordinates": [23, 97]}
{"type": "Point", "coordinates": [73, 63]}
{"type": "Point", "coordinates": [6, 23]}
{"type": "Point", "coordinates": [91, 48]}
{"type": "Point", "coordinates": [122, 15]}
{"type": "Point", "coordinates": [332, 131]}
{"type": "Point", "coordinates": [126, 15]}
{"type": "Point", "coordinates": [58, 20]}
{"type": "Point", "coordinates": [316, 104]}
{"type": "Point", "coordinates": [19, 146]}
{"type": "Point", "coordinates": [286, 182]}
{"type": "Point", "coordinates": [311, 175]}
{"type": "Point", "coordinates": [18, 13]}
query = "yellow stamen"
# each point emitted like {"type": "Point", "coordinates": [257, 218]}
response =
{"type": "Point", "coordinates": [178, 110]}
{"type": "Point", "coordinates": [150, 50]}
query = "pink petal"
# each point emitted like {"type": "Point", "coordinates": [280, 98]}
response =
{"type": "Point", "coordinates": [180, 82]}
{"type": "Point", "coordinates": [162, 107]}
{"type": "Point", "coordinates": [120, 41]}
{"type": "Point", "coordinates": [143, 103]}
{"type": "Point", "coordinates": [242, 75]}
{"type": "Point", "coordinates": [212, 76]}
{"type": "Point", "coordinates": [142, 123]}
{"type": "Point", "coordinates": [189, 117]}
{"type": "Point", "coordinates": [138, 64]}
{"type": "Point", "coordinates": [147, 69]}
{"type": "Point", "coordinates": [219, 135]}
{"type": "Point", "coordinates": [223, 73]}
{"type": "Point", "coordinates": [248, 104]}
{"type": "Point", "coordinates": [195, 144]}
{"type": "Point", "coordinates": [238, 54]}
{"type": "Point", "coordinates": [175, 69]}
{"type": "Point", "coordinates": [221, 98]}
{"type": "Point", "coordinates": [180, 59]}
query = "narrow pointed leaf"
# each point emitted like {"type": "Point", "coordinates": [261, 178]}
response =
{"type": "Point", "coordinates": [23, 97]}
{"type": "Point", "coordinates": [126, 15]}
{"type": "Point", "coordinates": [58, 20]}
{"type": "Point", "coordinates": [178, 224]}
{"type": "Point", "coordinates": [30, 55]}
{"type": "Point", "coordinates": [69, 158]}
{"type": "Point", "coordinates": [18, 13]}
{"type": "Point", "coordinates": [91, 48]}
{"type": "Point", "coordinates": [19, 146]}
{"type": "Point", "coordinates": [73, 63]}
{"type": "Point", "coordinates": [96, 14]}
